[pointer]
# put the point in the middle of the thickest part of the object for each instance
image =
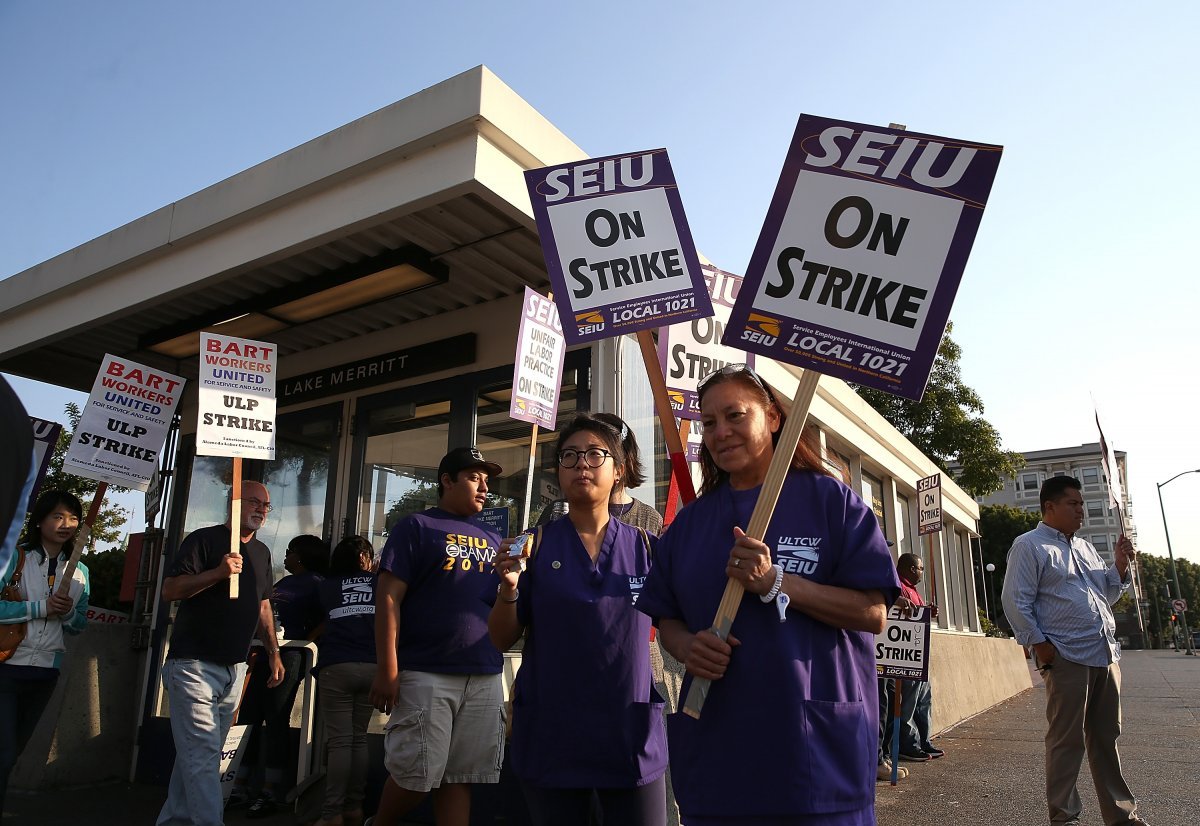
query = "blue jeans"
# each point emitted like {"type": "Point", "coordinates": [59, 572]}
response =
{"type": "Point", "coordinates": [203, 698]}
{"type": "Point", "coordinates": [915, 708]}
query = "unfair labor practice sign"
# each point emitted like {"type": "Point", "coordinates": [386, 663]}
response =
{"type": "Point", "coordinates": [690, 351]}
{"type": "Point", "coordinates": [862, 251]}
{"type": "Point", "coordinates": [929, 504]}
{"type": "Point", "coordinates": [617, 245]}
{"type": "Point", "coordinates": [902, 650]}
{"type": "Point", "coordinates": [537, 370]}
{"type": "Point", "coordinates": [237, 398]}
{"type": "Point", "coordinates": [124, 424]}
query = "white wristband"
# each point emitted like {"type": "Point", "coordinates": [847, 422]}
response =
{"type": "Point", "coordinates": [769, 596]}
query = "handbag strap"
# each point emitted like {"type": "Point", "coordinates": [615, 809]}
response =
{"type": "Point", "coordinates": [16, 577]}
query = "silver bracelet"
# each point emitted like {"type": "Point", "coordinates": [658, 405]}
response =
{"type": "Point", "coordinates": [769, 596]}
{"type": "Point", "coordinates": [516, 595]}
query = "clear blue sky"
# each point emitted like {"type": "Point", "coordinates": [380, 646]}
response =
{"type": "Point", "coordinates": [1080, 285]}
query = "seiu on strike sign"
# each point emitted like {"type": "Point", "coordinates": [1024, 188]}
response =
{"type": "Point", "coordinates": [617, 245]}
{"type": "Point", "coordinates": [862, 251]}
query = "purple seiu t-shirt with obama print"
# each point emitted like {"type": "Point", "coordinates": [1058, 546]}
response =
{"type": "Point", "coordinates": [796, 714]}
{"type": "Point", "coordinates": [585, 712]}
{"type": "Point", "coordinates": [445, 560]}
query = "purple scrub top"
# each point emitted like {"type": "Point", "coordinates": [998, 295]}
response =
{"type": "Point", "coordinates": [585, 712]}
{"type": "Point", "coordinates": [797, 710]}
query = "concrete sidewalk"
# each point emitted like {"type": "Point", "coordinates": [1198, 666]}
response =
{"type": "Point", "coordinates": [994, 769]}
{"type": "Point", "coordinates": [992, 773]}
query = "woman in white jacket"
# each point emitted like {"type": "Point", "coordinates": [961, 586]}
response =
{"type": "Point", "coordinates": [27, 679]}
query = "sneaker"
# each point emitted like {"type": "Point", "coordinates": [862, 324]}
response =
{"type": "Point", "coordinates": [933, 752]}
{"type": "Point", "coordinates": [917, 756]}
{"type": "Point", "coordinates": [884, 772]}
{"type": "Point", "coordinates": [237, 798]}
{"type": "Point", "coordinates": [263, 807]}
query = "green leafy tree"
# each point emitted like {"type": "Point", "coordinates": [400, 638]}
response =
{"type": "Point", "coordinates": [999, 525]}
{"type": "Point", "coordinates": [107, 528]}
{"type": "Point", "coordinates": [947, 426]}
{"type": "Point", "coordinates": [105, 569]}
{"type": "Point", "coordinates": [1154, 573]}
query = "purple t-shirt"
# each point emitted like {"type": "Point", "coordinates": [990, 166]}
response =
{"type": "Point", "coordinates": [812, 737]}
{"type": "Point", "coordinates": [295, 601]}
{"type": "Point", "coordinates": [445, 560]}
{"type": "Point", "coordinates": [585, 712]}
{"type": "Point", "coordinates": [348, 606]}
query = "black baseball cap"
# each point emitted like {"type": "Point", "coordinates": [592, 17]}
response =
{"type": "Point", "coordinates": [462, 458]}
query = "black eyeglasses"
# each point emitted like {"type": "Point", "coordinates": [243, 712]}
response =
{"type": "Point", "coordinates": [733, 370]}
{"type": "Point", "coordinates": [257, 504]}
{"type": "Point", "coordinates": [593, 456]}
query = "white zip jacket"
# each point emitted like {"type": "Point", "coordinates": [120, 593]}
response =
{"type": "Point", "coordinates": [44, 643]}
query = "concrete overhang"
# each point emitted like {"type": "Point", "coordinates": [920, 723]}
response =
{"type": "Point", "coordinates": [441, 170]}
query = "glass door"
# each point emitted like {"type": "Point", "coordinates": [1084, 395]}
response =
{"type": "Point", "coordinates": [403, 440]}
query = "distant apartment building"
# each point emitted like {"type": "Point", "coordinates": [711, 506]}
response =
{"type": "Point", "coordinates": [1101, 526]}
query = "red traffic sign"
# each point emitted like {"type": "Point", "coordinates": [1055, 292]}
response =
{"type": "Point", "coordinates": [1179, 605]}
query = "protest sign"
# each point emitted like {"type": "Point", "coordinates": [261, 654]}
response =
{"type": "Point", "coordinates": [45, 439]}
{"type": "Point", "coordinates": [236, 414]}
{"type": "Point", "coordinates": [862, 251]}
{"type": "Point", "coordinates": [617, 245]}
{"type": "Point", "coordinates": [690, 351]}
{"type": "Point", "coordinates": [929, 508]}
{"type": "Point", "coordinates": [494, 519]}
{"type": "Point", "coordinates": [537, 366]}
{"type": "Point", "coordinates": [902, 650]}
{"type": "Point", "coordinates": [124, 424]}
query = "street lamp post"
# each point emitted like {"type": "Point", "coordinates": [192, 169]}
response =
{"type": "Point", "coordinates": [990, 568]}
{"type": "Point", "coordinates": [1187, 634]}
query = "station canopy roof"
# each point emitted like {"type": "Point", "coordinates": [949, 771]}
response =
{"type": "Point", "coordinates": [415, 210]}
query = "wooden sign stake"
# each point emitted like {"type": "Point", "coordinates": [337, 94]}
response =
{"type": "Point", "coordinates": [760, 519]}
{"type": "Point", "coordinates": [82, 538]}
{"type": "Point", "coordinates": [529, 478]}
{"type": "Point", "coordinates": [235, 522]}
{"type": "Point", "coordinates": [666, 417]}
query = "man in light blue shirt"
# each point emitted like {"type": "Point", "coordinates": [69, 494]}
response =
{"type": "Point", "coordinates": [1058, 595]}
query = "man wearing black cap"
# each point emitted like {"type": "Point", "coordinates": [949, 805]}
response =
{"type": "Point", "coordinates": [438, 673]}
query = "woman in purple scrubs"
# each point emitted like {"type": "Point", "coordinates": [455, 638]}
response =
{"type": "Point", "coordinates": [789, 732]}
{"type": "Point", "coordinates": [586, 718]}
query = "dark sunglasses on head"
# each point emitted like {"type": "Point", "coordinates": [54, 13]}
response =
{"type": "Point", "coordinates": [733, 370]}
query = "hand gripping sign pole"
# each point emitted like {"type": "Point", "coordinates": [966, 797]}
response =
{"type": "Point", "coordinates": [781, 461]}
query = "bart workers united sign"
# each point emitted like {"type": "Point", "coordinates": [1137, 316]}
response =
{"type": "Point", "coordinates": [862, 252]}
{"type": "Point", "coordinates": [237, 398]}
{"type": "Point", "coordinates": [124, 424]}
{"type": "Point", "coordinates": [902, 650]}
{"type": "Point", "coordinates": [617, 245]}
{"type": "Point", "coordinates": [537, 371]}
{"type": "Point", "coordinates": [688, 352]}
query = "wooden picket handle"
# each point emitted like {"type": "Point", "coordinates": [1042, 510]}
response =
{"type": "Point", "coordinates": [760, 519]}
{"type": "Point", "coordinates": [666, 416]}
{"type": "Point", "coordinates": [235, 522]}
{"type": "Point", "coordinates": [82, 538]}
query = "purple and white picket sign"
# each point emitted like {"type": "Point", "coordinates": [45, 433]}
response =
{"type": "Point", "coordinates": [862, 251]}
{"type": "Point", "coordinates": [45, 439]}
{"type": "Point", "coordinates": [690, 351]}
{"type": "Point", "coordinates": [537, 370]}
{"type": "Point", "coordinates": [617, 245]}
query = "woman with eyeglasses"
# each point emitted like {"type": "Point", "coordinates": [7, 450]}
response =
{"type": "Point", "coordinates": [628, 509]}
{"type": "Point", "coordinates": [586, 718]}
{"type": "Point", "coordinates": [788, 733]}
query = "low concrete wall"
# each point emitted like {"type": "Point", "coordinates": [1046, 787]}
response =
{"type": "Point", "coordinates": [86, 733]}
{"type": "Point", "coordinates": [970, 673]}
